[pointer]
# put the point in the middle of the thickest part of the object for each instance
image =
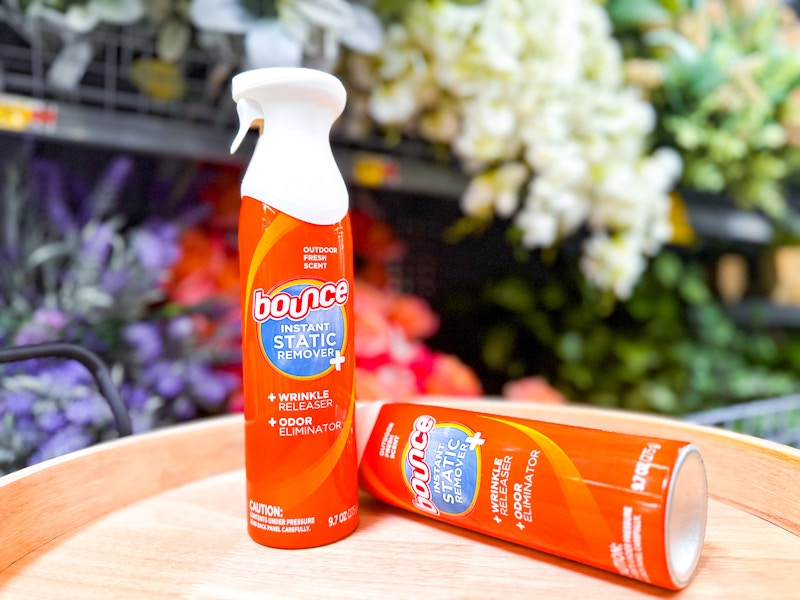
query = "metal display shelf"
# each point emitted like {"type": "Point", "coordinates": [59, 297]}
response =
{"type": "Point", "coordinates": [765, 313]}
{"type": "Point", "coordinates": [151, 134]}
{"type": "Point", "coordinates": [718, 221]}
{"type": "Point", "coordinates": [84, 88]}
{"type": "Point", "coordinates": [775, 419]}
{"type": "Point", "coordinates": [104, 107]}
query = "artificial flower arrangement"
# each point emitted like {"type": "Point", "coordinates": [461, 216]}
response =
{"type": "Point", "coordinates": [576, 117]}
{"type": "Point", "coordinates": [73, 270]}
{"type": "Point", "coordinates": [724, 79]}
{"type": "Point", "coordinates": [530, 97]}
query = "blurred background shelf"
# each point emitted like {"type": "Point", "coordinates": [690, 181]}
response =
{"type": "Point", "coordinates": [101, 103]}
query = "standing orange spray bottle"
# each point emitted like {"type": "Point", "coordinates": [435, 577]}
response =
{"type": "Point", "coordinates": [296, 269]}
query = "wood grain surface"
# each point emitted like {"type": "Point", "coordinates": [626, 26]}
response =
{"type": "Point", "coordinates": [162, 515]}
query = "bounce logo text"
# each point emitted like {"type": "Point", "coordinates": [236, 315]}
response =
{"type": "Point", "coordinates": [442, 466]}
{"type": "Point", "coordinates": [420, 471]}
{"type": "Point", "coordinates": [283, 304]}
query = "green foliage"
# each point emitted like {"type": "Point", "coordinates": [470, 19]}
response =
{"type": "Point", "coordinates": [672, 348]}
{"type": "Point", "coordinates": [724, 96]}
{"type": "Point", "coordinates": [633, 14]}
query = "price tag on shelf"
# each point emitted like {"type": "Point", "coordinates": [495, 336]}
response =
{"type": "Point", "coordinates": [18, 113]}
{"type": "Point", "coordinates": [373, 171]}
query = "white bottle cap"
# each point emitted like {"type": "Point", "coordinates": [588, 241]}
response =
{"type": "Point", "coordinates": [292, 169]}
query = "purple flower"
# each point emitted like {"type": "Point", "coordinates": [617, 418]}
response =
{"type": "Point", "coordinates": [91, 340]}
{"type": "Point", "coordinates": [114, 178]}
{"type": "Point", "coordinates": [97, 242]}
{"type": "Point", "coordinates": [47, 183]}
{"type": "Point", "coordinates": [28, 431]}
{"type": "Point", "coordinates": [51, 421]}
{"type": "Point", "coordinates": [33, 333]}
{"type": "Point", "coordinates": [145, 340]}
{"type": "Point", "coordinates": [135, 396]}
{"type": "Point", "coordinates": [165, 378]}
{"type": "Point", "coordinates": [209, 387]}
{"type": "Point", "coordinates": [69, 439]}
{"type": "Point", "coordinates": [51, 318]}
{"type": "Point", "coordinates": [142, 421]}
{"type": "Point", "coordinates": [156, 245]}
{"type": "Point", "coordinates": [87, 410]}
{"type": "Point", "coordinates": [19, 402]}
{"type": "Point", "coordinates": [66, 374]}
{"type": "Point", "coordinates": [114, 282]}
{"type": "Point", "coordinates": [180, 328]}
{"type": "Point", "coordinates": [183, 409]}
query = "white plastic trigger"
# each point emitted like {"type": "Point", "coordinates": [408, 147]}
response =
{"type": "Point", "coordinates": [249, 112]}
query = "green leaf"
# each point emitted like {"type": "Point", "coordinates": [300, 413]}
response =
{"type": "Point", "coordinates": [668, 269]}
{"type": "Point", "coordinates": [661, 398]}
{"type": "Point", "coordinates": [553, 295]}
{"type": "Point", "coordinates": [513, 294]}
{"type": "Point", "coordinates": [570, 347]}
{"type": "Point", "coordinates": [605, 399]}
{"type": "Point", "coordinates": [539, 324]}
{"type": "Point", "coordinates": [498, 347]}
{"type": "Point", "coordinates": [465, 227]}
{"type": "Point", "coordinates": [580, 376]}
{"type": "Point", "coordinates": [635, 14]}
{"type": "Point", "coordinates": [694, 290]}
{"type": "Point", "coordinates": [682, 48]}
{"type": "Point", "coordinates": [637, 357]}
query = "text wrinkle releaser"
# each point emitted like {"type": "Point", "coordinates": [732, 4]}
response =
{"type": "Point", "coordinates": [296, 268]}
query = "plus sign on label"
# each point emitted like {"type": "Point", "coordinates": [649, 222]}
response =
{"type": "Point", "coordinates": [271, 397]}
{"type": "Point", "coordinates": [272, 421]}
{"type": "Point", "coordinates": [474, 441]}
{"type": "Point", "coordinates": [337, 360]}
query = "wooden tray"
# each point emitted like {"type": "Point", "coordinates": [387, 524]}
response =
{"type": "Point", "coordinates": [162, 515]}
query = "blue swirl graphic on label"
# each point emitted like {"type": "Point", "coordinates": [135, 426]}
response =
{"type": "Point", "coordinates": [309, 347]}
{"type": "Point", "coordinates": [454, 461]}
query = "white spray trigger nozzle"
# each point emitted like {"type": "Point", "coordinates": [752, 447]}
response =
{"type": "Point", "coordinates": [249, 111]}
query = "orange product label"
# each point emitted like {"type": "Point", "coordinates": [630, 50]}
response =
{"type": "Point", "coordinates": [588, 495]}
{"type": "Point", "coordinates": [297, 346]}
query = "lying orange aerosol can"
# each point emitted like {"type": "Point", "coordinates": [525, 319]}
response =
{"type": "Point", "coordinates": [628, 504]}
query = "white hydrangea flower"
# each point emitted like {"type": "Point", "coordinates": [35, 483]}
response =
{"type": "Point", "coordinates": [613, 262]}
{"type": "Point", "coordinates": [539, 228]}
{"type": "Point", "coordinates": [394, 103]}
{"type": "Point", "coordinates": [536, 86]}
{"type": "Point", "coordinates": [441, 124]}
{"type": "Point", "coordinates": [495, 190]}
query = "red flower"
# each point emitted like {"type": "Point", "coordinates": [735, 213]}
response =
{"type": "Point", "coordinates": [451, 377]}
{"type": "Point", "coordinates": [533, 389]}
